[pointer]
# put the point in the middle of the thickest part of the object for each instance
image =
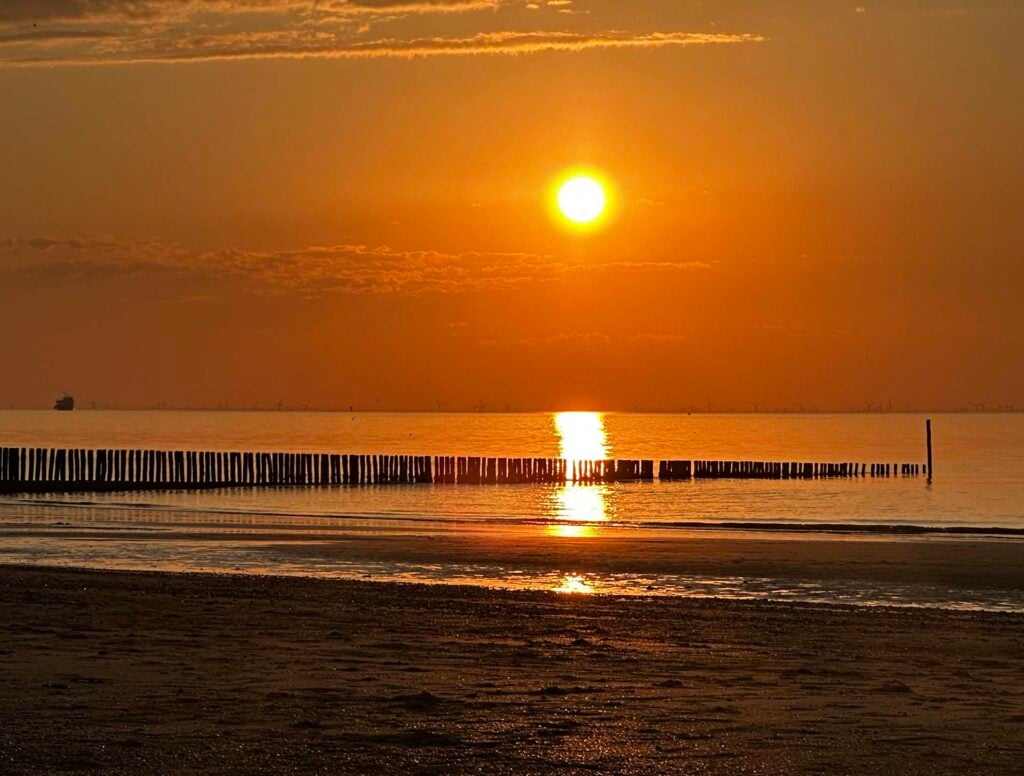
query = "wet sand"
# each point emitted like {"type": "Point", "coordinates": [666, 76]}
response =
{"type": "Point", "coordinates": [119, 672]}
{"type": "Point", "coordinates": [823, 567]}
{"type": "Point", "coordinates": [996, 564]}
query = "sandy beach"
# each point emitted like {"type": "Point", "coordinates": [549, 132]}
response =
{"type": "Point", "coordinates": [121, 672]}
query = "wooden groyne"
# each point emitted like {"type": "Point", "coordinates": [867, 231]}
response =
{"type": "Point", "coordinates": [58, 469]}
{"type": "Point", "coordinates": [775, 470]}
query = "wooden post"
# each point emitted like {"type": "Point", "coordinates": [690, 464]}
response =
{"type": "Point", "coordinates": [928, 438]}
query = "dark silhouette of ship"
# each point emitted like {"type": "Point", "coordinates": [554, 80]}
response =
{"type": "Point", "coordinates": [65, 403]}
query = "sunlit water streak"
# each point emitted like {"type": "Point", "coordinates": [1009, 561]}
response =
{"type": "Point", "coordinates": [581, 437]}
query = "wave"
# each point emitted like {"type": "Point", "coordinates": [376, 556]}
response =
{"type": "Point", "coordinates": [830, 527]}
{"type": "Point", "coordinates": [766, 525]}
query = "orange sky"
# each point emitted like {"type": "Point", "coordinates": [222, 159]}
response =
{"type": "Point", "coordinates": [819, 204]}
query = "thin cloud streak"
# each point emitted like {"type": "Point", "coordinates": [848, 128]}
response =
{"type": "Point", "coordinates": [576, 339]}
{"type": "Point", "coordinates": [250, 46]}
{"type": "Point", "coordinates": [314, 271]}
{"type": "Point", "coordinates": [52, 36]}
{"type": "Point", "coordinates": [36, 11]}
{"type": "Point", "coordinates": [52, 33]}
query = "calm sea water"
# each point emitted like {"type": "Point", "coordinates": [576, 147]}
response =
{"type": "Point", "coordinates": [979, 461]}
{"type": "Point", "coordinates": [979, 484]}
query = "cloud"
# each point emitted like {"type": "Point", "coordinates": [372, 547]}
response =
{"type": "Point", "coordinates": [37, 11]}
{"type": "Point", "coordinates": [566, 339]}
{"type": "Point", "coordinates": [93, 32]}
{"type": "Point", "coordinates": [586, 339]}
{"type": "Point", "coordinates": [314, 271]}
{"type": "Point", "coordinates": [51, 36]}
{"type": "Point", "coordinates": [532, 42]}
{"type": "Point", "coordinates": [657, 337]}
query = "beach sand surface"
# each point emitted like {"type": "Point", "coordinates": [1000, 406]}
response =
{"type": "Point", "coordinates": [134, 672]}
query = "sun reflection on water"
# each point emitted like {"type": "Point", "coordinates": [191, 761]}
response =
{"type": "Point", "coordinates": [581, 437]}
{"type": "Point", "coordinates": [581, 503]}
{"type": "Point", "coordinates": [574, 583]}
{"type": "Point", "coordinates": [571, 531]}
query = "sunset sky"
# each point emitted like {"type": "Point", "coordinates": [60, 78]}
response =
{"type": "Point", "coordinates": [347, 203]}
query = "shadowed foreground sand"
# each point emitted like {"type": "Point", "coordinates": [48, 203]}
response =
{"type": "Point", "coordinates": [137, 672]}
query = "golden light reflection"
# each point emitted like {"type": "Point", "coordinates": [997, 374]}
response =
{"type": "Point", "coordinates": [582, 507]}
{"type": "Point", "coordinates": [581, 436]}
{"type": "Point", "coordinates": [574, 583]}
{"type": "Point", "coordinates": [571, 531]}
{"type": "Point", "coordinates": [582, 504]}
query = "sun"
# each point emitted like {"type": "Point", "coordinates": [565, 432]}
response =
{"type": "Point", "coordinates": [582, 199]}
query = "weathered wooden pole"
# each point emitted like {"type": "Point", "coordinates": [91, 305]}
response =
{"type": "Point", "coordinates": [928, 438]}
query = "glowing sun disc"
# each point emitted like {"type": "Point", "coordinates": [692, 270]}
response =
{"type": "Point", "coordinates": [582, 199]}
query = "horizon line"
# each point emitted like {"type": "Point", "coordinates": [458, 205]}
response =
{"type": "Point", "coordinates": [352, 411]}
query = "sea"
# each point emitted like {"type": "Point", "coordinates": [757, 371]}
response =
{"type": "Point", "coordinates": [977, 491]}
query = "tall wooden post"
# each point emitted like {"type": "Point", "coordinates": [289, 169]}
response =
{"type": "Point", "coordinates": [928, 436]}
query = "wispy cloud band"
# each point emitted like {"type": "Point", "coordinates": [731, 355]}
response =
{"type": "Point", "coordinates": [53, 33]}
{"type": "Point", "coordinates": [314, 271]}
{"type": "Point", "coordinates": [150, 11]}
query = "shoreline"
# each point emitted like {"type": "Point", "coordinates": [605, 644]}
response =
{"type": "Point", "coordinates": [935, 572]}
{"type": "Point", "coordinates": [127, 672]}
{"type": "Point", "coordinates": [534, 595]}
{"type": "Point", "coordinates": [455, 588]}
